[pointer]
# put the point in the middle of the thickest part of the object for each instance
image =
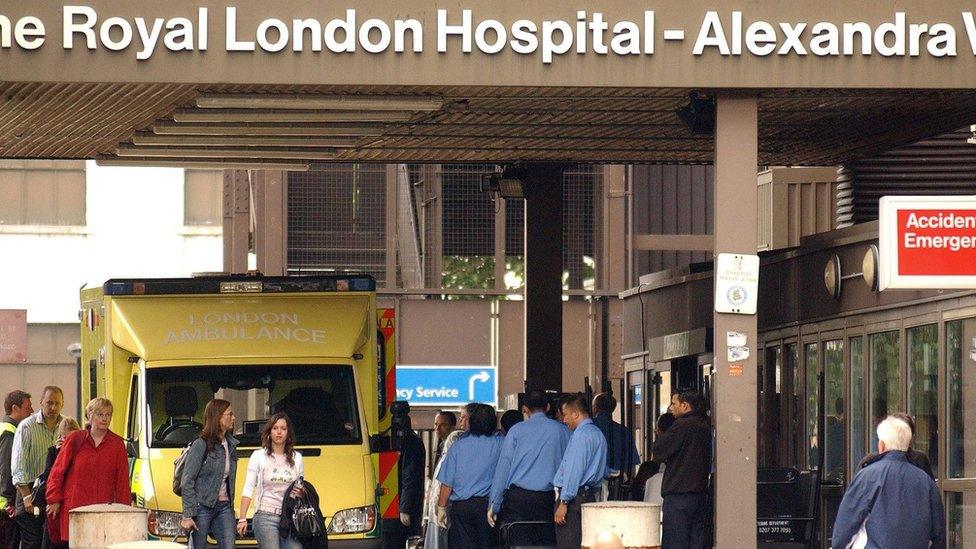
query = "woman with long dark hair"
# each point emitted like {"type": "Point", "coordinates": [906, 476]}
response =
{"type": "Point", "coordinates": [209, 476]}
{"type": "Point", "coordinates": [271, 469]}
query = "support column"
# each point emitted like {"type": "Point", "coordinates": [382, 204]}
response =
{"type": "Point", "coordinates": [390, 272]}
{"type": "Point", "coordinates": [237, 221]}
{"type": "Point", "coordinates": [735, 413]}
{"type": "Point", "coordinates": [433, 227]}
{"type": "Point", "coordinates": [271, 221]}
{"type": "Point", "coordinates": [499, 252]}
{"type": "Point", "coordinates": [543, 188]}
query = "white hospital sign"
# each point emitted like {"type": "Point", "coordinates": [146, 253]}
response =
{"type": "Point", "coordinates": [572, 32]}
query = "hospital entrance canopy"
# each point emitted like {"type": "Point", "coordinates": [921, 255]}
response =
{"type": "Point", "coordinates": [286, 82]}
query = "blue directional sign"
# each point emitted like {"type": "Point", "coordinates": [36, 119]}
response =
{"type": "Point", "coordinates": [446, 385]}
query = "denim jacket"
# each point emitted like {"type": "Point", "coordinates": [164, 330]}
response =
{"type": "Point", "coordinates": [203, 473]}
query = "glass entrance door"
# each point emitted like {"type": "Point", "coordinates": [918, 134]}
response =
{"type": "Point", "coordinates": [636, 415]}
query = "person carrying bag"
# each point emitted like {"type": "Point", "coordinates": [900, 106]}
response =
{"type": "Point", "coordinates": [270, 472]}
{"type": "Point", "coordinates": [301, 517]}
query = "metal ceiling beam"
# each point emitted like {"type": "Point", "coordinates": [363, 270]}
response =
{"type": "Point", "coordinates": [152, 140]}
{"type": "Point", "coordinates": [174, 128]}
{"type": "Point", "coordinates": [202, 163]}
{"type": "Point", "coordinates": [322, 102]}
{"type": "Point", "coordinates": [211, 152]}
{"type": "Point", "coordinates": [247, 115]}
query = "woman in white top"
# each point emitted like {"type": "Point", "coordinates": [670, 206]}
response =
{"type": "Point", "coordinates": [270, 471]}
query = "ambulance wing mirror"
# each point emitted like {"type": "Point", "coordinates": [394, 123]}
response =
{"type": "Point", "coordinates": [379, 444]}
{"type": "Point", "coordinates": [131, 448]}
{"type": "Point", "coordinates": [399, 423]}
{"type": "Point", "coordinates": [392, 440]}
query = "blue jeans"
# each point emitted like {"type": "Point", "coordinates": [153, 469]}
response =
{"type": "Point", "coordinates": [684, 521]}
{"type": "Point", "coordinates": [217, 521]}
{"type": "Point", "coordinates": [265, 527]}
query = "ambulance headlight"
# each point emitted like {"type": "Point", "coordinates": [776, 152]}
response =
{"type": "Point", "coordinates": [352, 521]}
{"type": "Point", "coordinates": [165, 525]}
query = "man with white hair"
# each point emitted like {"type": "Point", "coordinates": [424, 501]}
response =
{"type": "Point", "coordinates": [891, 502]}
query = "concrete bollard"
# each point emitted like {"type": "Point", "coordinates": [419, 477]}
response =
{"type": "Point", "coordinates": [99, 526]}
{"type": "Point", "coordinates": [635, 523]}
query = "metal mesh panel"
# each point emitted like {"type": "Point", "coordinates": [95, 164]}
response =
{"type": "Point", "coordinates": [468, 221]}
{"type": "Point", "coordinates": [580, 185]}
{"type": "Point", "coordinates": [337, 219]}
{"type": "Point", "coordinates": [515, 243]}
{"type": "Point", "coordinates": [337, 222]}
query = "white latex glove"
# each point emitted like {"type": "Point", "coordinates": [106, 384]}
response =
{"type": "Point", "coordinates": [404, 519]}
{"type": "Point", "coordinates": [491, 518]}
{"type": "Point", "coordinates": [442, 517]}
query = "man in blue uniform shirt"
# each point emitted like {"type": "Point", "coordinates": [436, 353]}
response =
{"type": "Point", "coordinates": [465, 478]}
{"type": "Point", "coordinates": [891, 502]}
{"type": "Point", "coordinates": [580, 473]}
{"type": "Point", "coordinates": [522, 488]}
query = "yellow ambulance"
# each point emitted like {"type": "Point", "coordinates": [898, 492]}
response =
{"type": "Point", "coordinates": [315, 348]}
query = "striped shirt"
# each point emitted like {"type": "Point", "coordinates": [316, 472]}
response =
{"type": "Point", "coordinates": [29, 453]}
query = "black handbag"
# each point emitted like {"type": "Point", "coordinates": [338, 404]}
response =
{"type": "Point", "coordinates": [39, 493]}
{"type": "Point", "coordinates": [306, 519]}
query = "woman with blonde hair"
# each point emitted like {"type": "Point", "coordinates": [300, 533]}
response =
{"type": "Point", "coordinates": [271, 469]}
{"type": "Point", "coordinates": [52, 536]}
{"type": "Point", "coordinates": [92, 467]}
{"type": "Point", "coordinates": [209, 476]}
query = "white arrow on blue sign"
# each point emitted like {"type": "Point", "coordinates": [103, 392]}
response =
{"type": "Point", "coordinates": [446, 385]}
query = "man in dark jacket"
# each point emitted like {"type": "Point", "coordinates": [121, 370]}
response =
{"type": "Point", "coordinates": [685, 449]}
{"type": "Point", "coordinates": [411, 465]}
{"type": "Point", "coordinates": [622, 454]}
{"type": "Point", "coordinates": [891, 502]}
{"type": "Point", "coordinates": [411, 484]}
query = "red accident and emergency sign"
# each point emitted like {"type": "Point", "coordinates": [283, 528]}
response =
{"type": "Point", "coordinates": [928, 242]}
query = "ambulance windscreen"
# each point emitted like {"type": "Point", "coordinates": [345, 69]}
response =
{"type": "Point", "coordinates": [319, 400]}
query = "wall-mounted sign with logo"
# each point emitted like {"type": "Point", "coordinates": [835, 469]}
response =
{"type": "Point", "coordinates": [927, 242]}
{"type": "Point", "coordinates": [13, 336]}
{"type": "Point", "coordinates": [736, 283]}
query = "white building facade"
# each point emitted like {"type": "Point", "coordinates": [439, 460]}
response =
{"type": "Point", "coordinates": [64, 225]}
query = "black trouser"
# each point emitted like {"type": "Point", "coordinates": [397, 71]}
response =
{"type": "Point", "coordinates": [395, 534]}
{"type": "Point", "coordinates": [31, 530]}
{"type": "Point", "coordinates": [570, 535]}
{"type": "Point", "coordinates": [469, 524]}
{"type": "Point", "coordinates": [521, 505]}
{"type": "Point", "coordinates": [47, 544]}
{"type": "Point", "coordinates": [684, 521]}
{"type": "Point", "coordinates": [9, 533]}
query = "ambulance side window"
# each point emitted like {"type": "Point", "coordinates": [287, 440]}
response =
{"type": "Point", "coordinates": [132, 428]}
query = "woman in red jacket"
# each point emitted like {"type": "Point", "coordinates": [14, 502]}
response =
{"type": "Point", "coordinates": [92, 467]}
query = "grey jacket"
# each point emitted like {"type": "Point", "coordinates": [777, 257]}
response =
{"type": "Point", "coordinates": [202, 474]}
